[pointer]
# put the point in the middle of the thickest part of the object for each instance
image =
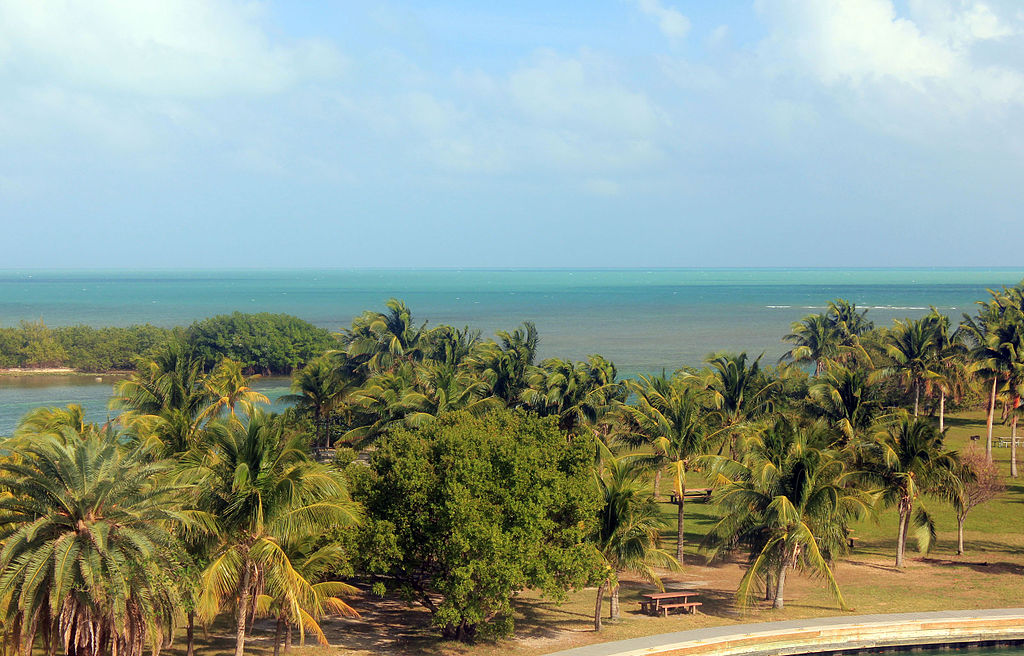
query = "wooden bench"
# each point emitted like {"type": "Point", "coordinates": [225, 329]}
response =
{"type": "Point", "coordinates": [690, 607]}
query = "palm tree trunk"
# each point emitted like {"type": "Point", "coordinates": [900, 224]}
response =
{"type": "Point", "coordinates": [657, 483]}
{"type": "Point", "coordinates": [769, 593]}
{"type": "Point", "coordinates": [988, 419]}
{"type": "Point", "coordinates": [780, 585]}
{"type": "Point", "coordinates": [190, 638]}
{"type": "Point", "coordinates": [243, 608]}
{"type": "Point", "coordinates": [278, 631]}
{"type": "Point", "coordinates": [917, 396]}
{"type": "Point", "coordinates": [597, 607]}
{"type": "Point", "coordinates": [901, 536]}
{"type": "Point", "coordinates": [1013, 446]}
{"type": "Point", "coordinates": [942, 410]}
{"type": "Point", "coordinates": [288, 638]}
{"type": "Point", "coordinates": [960, 517]}
{"type": "Point", "coordinates": [613, 612]}
{"type": "Point", "coordinates": [680, 533]}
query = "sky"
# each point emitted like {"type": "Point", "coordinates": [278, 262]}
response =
{"type": "Point", "coordinates": [605, 133]}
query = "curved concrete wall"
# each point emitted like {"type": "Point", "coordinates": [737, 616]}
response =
{"type": "Point", "coordinates": [827, 634]}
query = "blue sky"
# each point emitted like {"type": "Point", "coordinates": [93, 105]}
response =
{"type": "Point", "coordinates": [620, 133]}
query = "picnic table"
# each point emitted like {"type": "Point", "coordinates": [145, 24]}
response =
{"type": "Point", "coordinates": [1005, 441]}
{"type": "Point", "coordinates": [694, 494]}
{"type": "Point", "coordinates": [663, 602]}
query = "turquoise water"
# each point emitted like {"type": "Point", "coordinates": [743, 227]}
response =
{"type": "Point", "coordinates": [644, 320]}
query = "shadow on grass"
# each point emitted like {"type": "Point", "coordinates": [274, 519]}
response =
{"type": "Point", "coordinates": [988, 567]}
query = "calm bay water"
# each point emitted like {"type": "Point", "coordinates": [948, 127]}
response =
{"type": "Point", "coordinates": [643, 320]}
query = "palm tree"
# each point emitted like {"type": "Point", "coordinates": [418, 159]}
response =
{"type": "Point", "coordinates": [995, 337]}
{"type": "Point", "coordinates": [316, 597]}
{"type": "Point", "coordinates": [506, 365]}
{"type": "Point", "coordinates": [383, 339]}
{"type": "Point", "coordinates": [907, 461]}
{"type": "Point", "coordinates": [850, 322]}
{"type": "Point", "coordinates": [844, 397]}
{"type": "Point", "coordinates": [671, 419]}
{"type": "Point", "coordinates": [789, 500]}
{"type": "Point", "coordinates": [228, 387]}
{"type": "Point", "coordinates": [264, 490]}
{"type": "Point", "coordinates": [62, 424]}
{"type": "Point", "coordinates": [578, 393]}
{"type": "Point", "coordinates": [88, 555]}
{"type": "Point", "coordinates": [317, 390]}
{"type": "Point", "coordinates": [816, 340]}
{"type": "Point", "coordinates": [912, 346]}
{"type": "Point", "coordinates": [629, 532]}
{"type": "Point", "coordinates": [738, 391]}
{"type": "Point", "coordinates": [166, 399]}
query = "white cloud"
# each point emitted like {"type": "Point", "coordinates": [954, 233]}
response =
{"type": "Point", "coordinates": [175, 48]}
{"type": "Point", "coordinates": [672, 23]}
{"type": "Point", "coordinates": [927, 59]}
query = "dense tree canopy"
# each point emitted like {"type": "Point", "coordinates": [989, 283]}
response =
{"type": "Point", "coordinates": [467, 511]}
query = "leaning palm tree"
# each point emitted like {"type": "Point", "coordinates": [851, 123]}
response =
{"type": "Point", "coordinates": [264, 490]}
{"type": "Point", "coordinates": [670, 419]}
{"type": "Point", "coordinates": [906, 462]}
{"type": "Point", "coordinates": [629, 532]}
{"type": "Point", "coordinates": [89, 556]}
{"type": "Point", "coordinates": [789, 501]}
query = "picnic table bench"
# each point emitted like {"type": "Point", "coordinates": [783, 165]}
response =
{"type": "Point", "coordinates": [694, 494]}
{"type": "Point", "coordinates": [663, 602]}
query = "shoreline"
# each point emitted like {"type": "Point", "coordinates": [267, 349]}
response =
{"type": "Point", "coordinates": [16, 372]}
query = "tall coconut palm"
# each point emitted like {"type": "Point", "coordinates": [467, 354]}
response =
{"type": "Point", "coordinates": [264, 490]}
{"type": "Point", "coordinates": [629, 532]}
{"type": "Point", "coordinates": [789, 500]}
{"type": "Point", "coordinates": [908, 461]}
{"type": "Point", "coordinates": [994, 338]}
{"type": "Point", "coordinates": [670, 418]}
{"type": "Point", "coordinates": [912, 346]}
{"type": "Point", "coordinates": [88, 554]}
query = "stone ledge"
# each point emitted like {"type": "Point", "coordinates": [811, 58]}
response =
{"type": "Point", "coordinates": [830, 634]}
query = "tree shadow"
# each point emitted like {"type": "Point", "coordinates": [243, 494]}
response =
{"type": "Point", "coordinates": [988, 567]}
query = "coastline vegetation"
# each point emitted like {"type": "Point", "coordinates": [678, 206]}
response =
{"type": "Point", "coordinates": [459, 474]}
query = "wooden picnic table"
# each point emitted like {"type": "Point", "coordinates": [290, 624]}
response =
{"type": "Point", "coordinates": [663, 602]}
{"type": "Point", "coordinates": [1005, 441]}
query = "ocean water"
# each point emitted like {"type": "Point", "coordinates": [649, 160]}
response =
{"type": "Point", "coordinates": [643, 320]}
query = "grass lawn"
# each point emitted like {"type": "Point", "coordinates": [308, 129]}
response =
{"type": "Point", "coordinates": [990, 575]}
